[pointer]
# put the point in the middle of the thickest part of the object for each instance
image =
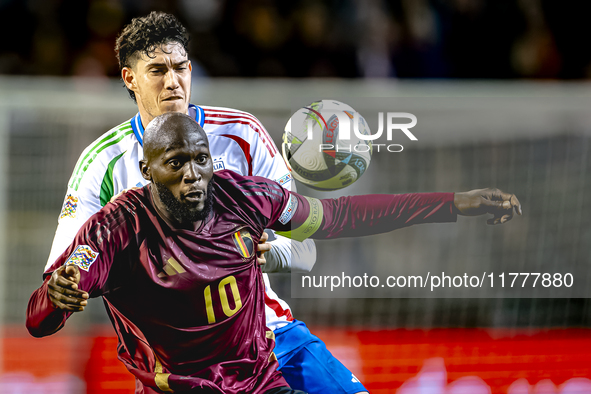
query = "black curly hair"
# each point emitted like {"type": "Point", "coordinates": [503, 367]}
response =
{"type": "Point", "coordinates": [143, 35]}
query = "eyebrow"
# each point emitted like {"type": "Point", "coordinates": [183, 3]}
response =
{"type": "Point", "coordinates": [164, 64]}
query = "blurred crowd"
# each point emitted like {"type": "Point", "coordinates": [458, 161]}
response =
{"type": "Point", "coordinates": [313, 38]}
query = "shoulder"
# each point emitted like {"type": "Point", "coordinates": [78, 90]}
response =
{"type": "Point", "coordinates": [251, 198]}
{"type": "Point", "coordinates": [247, 187]}
{"type": "Point", "coordinates": [113, 227]}
{"type": "Point", "coordinates": [237, 125]}
{"type": "Point", "coordinates": [125, 209]}
{"type": "Point", "coordinates": [97, 156]}
{"type": "Point", "coordinates": [232, 178]}
{"type": "Point", "coordinates": [226, 180]}
{"type": "Point", "coordinates": [229, 115]}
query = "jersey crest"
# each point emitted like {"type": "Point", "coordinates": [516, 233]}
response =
{"type": "Point", "coordinates": [83, 257]}
{"type": "Point", "coordinates": [244, 243]}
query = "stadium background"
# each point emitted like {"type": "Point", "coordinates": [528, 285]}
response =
{"type": "Point", "coordinates": [59, 91]}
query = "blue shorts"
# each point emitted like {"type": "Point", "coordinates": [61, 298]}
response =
{"type": "Point", "coordinates": [306, 363]}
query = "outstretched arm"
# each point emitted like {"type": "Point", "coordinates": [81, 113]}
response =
{"type": "Point", "coordinates": [379, 213]}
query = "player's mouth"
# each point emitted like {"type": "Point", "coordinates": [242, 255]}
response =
{"type": "Point", "coordinates": [194, 196]}
{"type": "Point", "coordinates": [172, 98]}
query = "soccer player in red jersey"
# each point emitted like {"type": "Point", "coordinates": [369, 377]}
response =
{"type": "Point", "coordinates": [175, 261]}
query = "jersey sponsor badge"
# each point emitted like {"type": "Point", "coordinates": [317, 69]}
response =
{"type": "Point", "coordinates": [284, 179]}
{"type": "Point", "coordinates": [83, 257]}
{"type": "Point", "coordinates": [289, 210]}
{"type": "Point", "coordinates": [244, 243]}
{"type": "Point", "coordinates": [69, 207]}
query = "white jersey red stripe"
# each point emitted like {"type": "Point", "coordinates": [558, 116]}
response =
{"type": "Point", "coordinates": [245, 146]}
{"type": "Point", "coordinates": [245, 122]}
{"type": "Point", "coordinates": [213, 112]}
{"type": "Point", "coordinates": [277, 308]}
{"type": "Point", "coordinates": [262, 134]}
{"type": "Point", "coordinates": [216, 116]}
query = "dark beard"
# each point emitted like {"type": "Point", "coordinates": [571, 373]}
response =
{"type": "Point", "coordinates": [184, 212]}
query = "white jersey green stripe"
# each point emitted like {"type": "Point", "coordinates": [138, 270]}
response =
{"type": "Point", "coordinates": [111, 139]}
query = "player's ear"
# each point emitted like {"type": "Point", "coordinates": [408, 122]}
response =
{"type": "Point", "coordinates": [145, 170]}
{"type": "Point", "coordinates": [128, 77]}
{"type": "Point", "coordinates": [190, 67]}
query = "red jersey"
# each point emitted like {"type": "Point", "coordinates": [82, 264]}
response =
{"type": "Point", "coordinates": [188, 305]}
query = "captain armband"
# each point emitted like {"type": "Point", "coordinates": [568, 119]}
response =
{"type": "Point", "coordinates": [310, 225]}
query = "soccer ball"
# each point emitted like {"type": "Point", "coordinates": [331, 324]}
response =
{"type": "Point", "coordinates": [318, 152]}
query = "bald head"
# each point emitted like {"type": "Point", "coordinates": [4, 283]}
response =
{"type": "Point", "coordinates": [168, 131]}
{"type": "Point", "coordinates": [178, 164]}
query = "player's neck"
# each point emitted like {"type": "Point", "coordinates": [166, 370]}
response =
{"type": "Point", "coordinates": [145, 117]}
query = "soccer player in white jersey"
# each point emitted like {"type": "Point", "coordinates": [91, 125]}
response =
{"type": "Point", "coordinates": [153, 57]}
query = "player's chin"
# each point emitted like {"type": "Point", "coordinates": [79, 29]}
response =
{"type": "Point", "coordinates": [194, 206]}
{"type": "Point", "coordinates": [173, 106]}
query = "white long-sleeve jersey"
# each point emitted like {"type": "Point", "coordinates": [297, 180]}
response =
{"type": "Point", "coordinates": [237, 142]}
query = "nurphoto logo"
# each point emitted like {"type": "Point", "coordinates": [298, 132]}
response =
{"type": "Point", "coordinates": [342, 120]}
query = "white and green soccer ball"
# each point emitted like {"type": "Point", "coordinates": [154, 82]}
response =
{"type": "Point", "coordinates": [320, 152]}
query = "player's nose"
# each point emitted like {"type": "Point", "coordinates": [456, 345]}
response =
{"type": "Point", "coordinates": [171, 80]}
{"type": "Point", "coordinates": [192, 173]}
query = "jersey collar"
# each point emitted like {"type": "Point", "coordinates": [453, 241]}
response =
{"type": "Point", "coordinates": [195, 112]}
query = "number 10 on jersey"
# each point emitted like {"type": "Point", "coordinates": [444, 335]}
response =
{"type": "Point", "coordinates": [223, 295]}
